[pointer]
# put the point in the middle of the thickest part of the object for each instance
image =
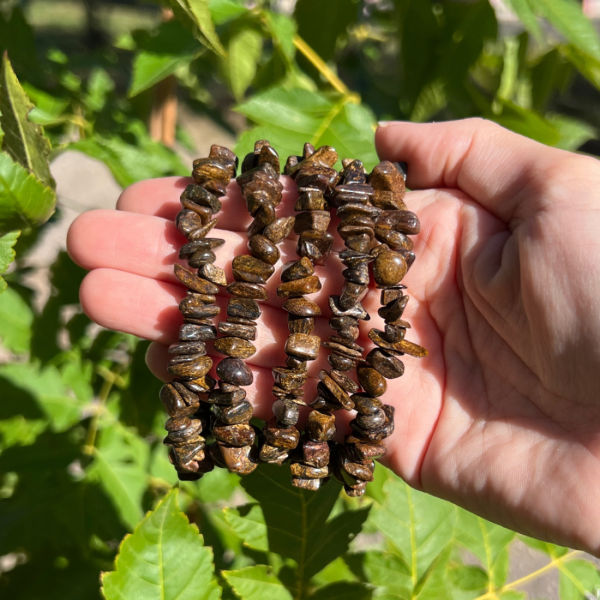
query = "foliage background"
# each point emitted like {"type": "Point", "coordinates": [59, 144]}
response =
{"type": "Point", "coordinates": [81, 458]}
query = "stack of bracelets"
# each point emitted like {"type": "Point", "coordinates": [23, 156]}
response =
{"type": "Point", "coordinates": [374, 225]}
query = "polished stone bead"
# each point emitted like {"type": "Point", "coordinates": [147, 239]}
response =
{"type": "Point", "coordinates": [344, 381]}
{"type": "Point", "coordinates": [264, 216]}
{"type": "Point", "coordinates": [194, 282]}
{"type": "Point", "coordinates": [297, 269]}
{"type": "Point", "coordinates": [387, 177]}
{"type": "Point", "coordinates": [289, 379]}
{"type": "Point", "coordinates": [303, 346]}
{"type": "Point", "coordinates": [243, 307]}
{"type": "Point", "coordinates": [386, 364]}
{"type": "Point", "coordinates": [393, 333]}
{"type": "Point", "coordinates": [213, 274]}
{"type": "Point", "coordinates": [247, 290]}
{"type": "Point", "coordinates": [341, 362]}
{"type": "Point", "coordinates": [281, 437]}
{"type": "Point", "coordinates": [225, 154]}
{"type": "Point", "coordinates": [339, 323]}
{"type": "Point", "coordinates": [250, 174]}
{"type": "Point", "coordinates": [355, 311]}
{"type": "Point", "coordinates": [360, 243]}
{"type": "Point", "coordinates": [379, 433]}
{"type": "Point", "coordinates": [321, 178]}
{"type": "Point", "coordinates": [352, 294]}
{"type": "Point", "coordinates": [175, 403]}
{"type": "Point", "coordinates": [359, 471]}
{"type": "Point", "coordinates": [370, 421]}
{"type": "Point", "coordinates": [315, 245]}
{"type": "Point", "coordinates": [191, 248]}
{"type": "Point", "coordinates": [203, 212]}
{"type": "Point", "coordinates": [356, 491]}
{"type": "Point", "coordinates": [315, 454]}
{"type": "Point", "coordinates": [286, 411]}
{"type": "Point", "coordinates": [394, 239]}
{"type": "Point", "coordinates": [235, 347]}
{"type": "Point", "coordinates": [299, 287]}
{"type": "Point", "coordinates": [217, 188]}
{"type": "Point", "coordinates": [366, 404]}
{"type": "Point", "coordinates": [310, 199]}
{"type": "Point", "coordinates": [197, 333]}
{"type": "Point", "coordinates": [354, 210]}
{"type": "Point", "coordinates": [324, 157]}
{"type": "Point", "coordinates": [198, 195]}
{"type": "Point", "coordinates": [269, 155]}
{"type": "Point", "coordinates": [234, 371]}
{"type": "Point", "coordinates": [354, 171]}
{"type": "Point", "coordinates": [207, 169]}
{"type": "Point", "coordinates": [251, 269]}
{"type": "Point", "coordinates": [191, 306]}
{"type": "Point", "coordinates": [262, 248]}
{"type": "Point", "coordinates": [300, 324]}
{"type": "Point", "coordinates": [389, 268]}
{"type": "Point", "coordinates": [393, 311]}
{"type": "Point", "coordinates": [291, 362]}
{"type": "Point", "coordinates": [272, 454]}
{"type": "Point", "coordinates": [403, 221]}
{"type": "Point", "coordinates": [338, 393]}
{"type": "Point", "coordinates": [308, 472]}
{"type": "Point", "coordinates": [317, 220]}
{"type": "Point", "coordinates": [203, 231]}
{"type": "Point", "coordinates": [227, 398]}
{"type": "Point", "coordinates": [259, 193]}
{"type": "Point", "coordinates": [312, 485]}
{"type": "Point", "coordinates": [295, 395]}
{"type": "Point", "coordinates": [190, 369]}
{"type": "Point", "coordinates": [241, 321]}
{"type": "Point", "coordinates": [343, 348]}
{"type": "Point", "coordinates": [241, 434]}
{"type": "Point", "coordinates": [241, 460]}
{"type": "Point", "coordinates": [362, 451]}
{"type": "Point", "coordinates": [200, 385]}
{"type": "Point", "coordinates": [181, 429]}
{"type": "Point", "coordinates": [370, 380]}
{"type": "Point", "coordinates": [246, 332]}
{"type": "Point", "coordinates": [233, 414]}
{"type": "Point", "coordinates": [185, 457]}
{"type": "Point", "coordinates": [188, 348]}
{"type": "Point", "coordinates": [359, 275]}
{"type": "Point", "coordinates": [325, 403]}
{"type": "Point", "coordinates": [187, 222]}
{"type": "Point", "coordinates": [303, 307]}
{"type": "Point", "coordinates": [390, 294]}
{"type": "Point", "coordinates": [277, 230]}
{"type": "Point", "coordinates": [320, 427]}
{"type": "Point", "coordinates": [403, 347]}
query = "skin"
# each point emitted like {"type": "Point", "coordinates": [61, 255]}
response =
{"type": "Point", "coordinates": [503, 417]}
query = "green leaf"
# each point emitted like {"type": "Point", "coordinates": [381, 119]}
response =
{"type": "Point", "coordinates": [165, 558]}
{"type": "Point", "coordinates": [431, 100]}
{"type": "Point", "coordinates": [16, 318]}
{"type": "Point", "coordinates": [290, 117]}
{"type": "Point", "coordinates": [551, 550]}
{"type": "Point", "coordinates": [7, 255]}
{"type": "Point", "coordinates": [119, 465]}
{"type": "Point", "coordinates": [468, 577]}
{"type": "Point", "coordinates": [256, 583]}
{"type": "Point", "coordinates": [526, 122]}
{"type": "Point", "coordinates": [524, 10]}
{"type": "Point", "coordinates": [23, 140]}
{"type": "Point", "coordinates": [418, 525]}
{"type": "Point", "coordinates": [573, 132]}
{"type": "Point", "coordinates": [225, 10]}
{"type": "Point", "coordinates": [244, 50]}
{"type": "Point", "coordinates": [389, 573]}
{"type": "Point", "coordinates": [248, 523]}
{"type": "Point", "coordinates": [343, 590]}
{"type": "Point", "coordinates": [24, 199]}
{"type": "Point", "coordinates": [283, 30]}
{"type": "Point", "coordinates": [297, 521]}
{"type": "Point", "coordinates": [488, 542]}
{"type": "Point", "coordinates": [160, 54]}
{"type": "Point", "coordinates": [578, 578]}
{"type": "Point", "coordinates": [196, 15]}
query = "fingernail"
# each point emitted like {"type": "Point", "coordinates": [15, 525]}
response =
{"type": "Point", "coordinates": [384, 123]}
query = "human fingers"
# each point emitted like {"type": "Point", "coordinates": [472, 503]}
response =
{"type": "Point", "coordinates": [504, 172]}
{"type": "Point", "coordinates": [160, 197]}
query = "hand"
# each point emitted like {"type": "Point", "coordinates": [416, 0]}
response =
{"type": "Point", "coordinates": [501, 418]}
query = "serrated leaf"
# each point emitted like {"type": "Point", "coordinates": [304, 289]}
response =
{"type": "Point", "coordinates": [23, 140]}
{"type": "Point", "coordinates": [7, 255]}
{"type": "Point", "coordinates": [120, 461]}
{"type": "Point", "coordinates": [343, 590]}
{"type": "Point", "coordinates": [16, 318]}
{"type": "Point", "coordinates": [24, 200]}
{"type": "Point", "coordinates": [256, 583]}
{"type": "Point", "coordinates": [468, 577]}
{"type": "Point", "coordinates": [389, 573]}
{"type": "Point", "coordinates": [578, 578]}
{"type": "Point", "coordinates": [290, 117]}
{"type": "Point", "coordinates": [488, 542]}
{"type": "Point", "coordinates": [418, 525]}
{"type": "Point", "coordinates": [248, 523]}
{"type": "Point", "coordinates": [243, 52]}
{"type": "Point", "coordinates": [196, 15]}
{"type": "Point", "coordinates": [165, 558]}
{"type": "Point", "coordinates": [297, 521]}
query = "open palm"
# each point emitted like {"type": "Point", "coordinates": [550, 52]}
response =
{"type": "Point", "coordinates": [503, 417]}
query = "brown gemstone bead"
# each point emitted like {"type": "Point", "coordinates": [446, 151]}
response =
{"type": "Point", "coordinates": [306, 484]}
{"type": "Point", "coordinates": [241, 434]}
{"type": "Point", "coordinates": [201, 258]}
{"type": "Point", "coordinates": [251, 269]}
{"type": "Point", "coordinates": [343, 347]}
{"type": "Point", "coordinates": [243, 307]}
{"type": "Point", "coordinates": [281, 437]}
{"type": "Point", "coordinates": [320, 427]}
{"type": "Point", "coordinates": [192, 306]}
{"type": "Point", "coordinates": [403, 221]}
{"type": "Point", "coordinates": [394, 239]}
{"type": "Point", "coordinates": [344, 382]}
{"type": "Point", "coordinates": [371, 381]}
{"type": "Point", "coordinates": [241, 460]}
{"type": "Point", "coordinates": [297, 269]}
{"type": "Point", "coordinates": [389, 268]}
{"type": "Point", "coordinates": [387, 177]}
{"type": "Point", "coordinates": [368, 451]}
{"type": "Point", "coordinates": [315, 245]}
{"type": "Point", "coordinates": [315, 454]}
{"type": "Point", "coordinates": [187, 222]}
{"type": "Point", "coordinates": [198, 195]}
{"type": "Point", "coordinates": [191, 248]}
{"type": "Point", "coordinates": [336, 390]}
{"type": "Point", "coordinates": [386, 364]}
{"type": "Point", "coordinates": [390, 294]}
{"type": "Point", "coordinates": [279, 229]}
{"type": "Point", "coordinates": [200, 385]}
{"type": "Point", "coordinates": [365, 404]}
{"type": "Point", "coordinates": [203, 212]}
{"type": "Point", "coordinates": [303, 346]}
{"type": "Point", "coordinates": [233, 414]}
{"type": "Point", "coordinates": [341, 362]}
{"type": "Point", "coordinates": [263, 249]}
{"type": "Point", "coordinates": [289, 379]}
{"type": "Point", "coordinates": [175, 403]}
{"type": "Point", "coordinates": [181, 429]}
{"type": "Point", "coordinates": [188, 348]}
{"type": "Point", "coordinates": [235, 347]}
{"type": "Point", "coordinates": [203, 231]}
{"type": "Point", "coordinates": [308, 472]}
{"type": "Point", "coordinates": [222, 397]}
{"type": "Point", "coordinates": [295, 395]}
{"type": "Point", "coordinates": [286, 411]}
{"type": "Point", "coordinates": [352, 294]}
{"type": "Point", "coordinates": [325, 403]}
{"type": "Point", "coordinates": [207, 169]}
{"type": "Point", "coordinates": [247, 290]}
{"type": "Point", "coordinates": [300, 324]}
{"type": "Point", "coordinates": [264, 216]}
{"type": "Point", "coordinates": [317, 220]}
{"type": "Point", "coordinates": [235, 371]}
{"type": "Point", "coordinates": [403, 347]}
{"type": "Point", "coordinates": [360, 471]}
{"type": "Point", "coordinates": [213, 274]}
{"type": "Point", "coordinates": [393, 311]}
{"type": "Point", "coordinates": [299, 287]}
{"type": "Point", "coordinates": [246, 332]}
{"type": "Point", "coordinates": [359, 243]}
{"type": "Point", "coordinates": [191, 369]}
{"type": "Point", "coordinates": [394, 334]}
{"type": "Point", "coordinates": [194, 282]}
{"type": "Point", "coordinates": [194, 333]}
{"type": "Point", "coordinates": [356, 311]}
{"type": "Point", "coordinates": [358, 275]}
{"type": "Point", "coordinates": [295, 363]}
{"type": "Point", "coordinates": [379, 433]}
{"type": "Point", "coordinates": [272, 454]}
{"type": "Point", "coordinates": [310, 199]}
{"type": "Point", "coordinates": [371, 421]}
{"type": "Point", "coordinates": [302, 307]}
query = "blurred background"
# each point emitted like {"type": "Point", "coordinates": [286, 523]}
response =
{"type": "Point", "coordinates": [127, 92]}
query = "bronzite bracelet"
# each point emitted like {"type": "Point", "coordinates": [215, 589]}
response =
{"type": "Point", "coordinates": [375, 226]}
